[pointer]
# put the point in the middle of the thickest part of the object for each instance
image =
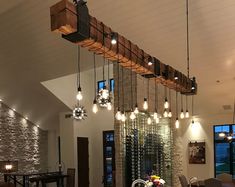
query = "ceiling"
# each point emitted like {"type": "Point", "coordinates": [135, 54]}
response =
{"type": "Point", "coordinates": [31, 54]}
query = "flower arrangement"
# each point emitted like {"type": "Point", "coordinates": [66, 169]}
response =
{"type": "Point", "coordinates": [155, 181]}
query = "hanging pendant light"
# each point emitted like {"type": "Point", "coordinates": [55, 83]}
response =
{"type": "Point", "coordinates": [149, 120]}
{"type": "Point", "coordinates": [166, 103]}
{"type": "Point", "coordinates": [79, 89]}
{"type": "Point", "coordinates": [186, 112]}
{"type": "Point", "coordinates": [182, 109]}
{"type": "Point", "coordinates": [123, 117]}
{"type": "Point", "coordinates": [165, 113]}
{"type": "Point", "coordinates": [177, 123]}
{"type": "Point", "coordinates": [79, 112]}
{"type": "Point", "coordinates": [109, 103]}
{"type": "Point", "coordinates": [118, 114]}
{"type": "Point", "coordinates": [145, 104]}
{"type": "Point", "coordinates": [94, 107]}
{"type": "Point", "coordinates": [136, 111]}
{"type": "Point", "coordinates": [155, 114]}
{"type": "Point", "coordinates": [132, 115]}
{"type": "Point", "coordinates": [169, 113]}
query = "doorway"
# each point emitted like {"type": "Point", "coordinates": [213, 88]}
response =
{"type": "Point", "coordinates": [83, 161]}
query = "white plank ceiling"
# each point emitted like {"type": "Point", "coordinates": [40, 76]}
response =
{"type": "Point", "coordinates": [30, 53]}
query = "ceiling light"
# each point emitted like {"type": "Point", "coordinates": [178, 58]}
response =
{"type": "Point", "coordinates": [150, 61]}
{"type": "Point", "coordinates": [176, 75]}
{"type": "Point", "coordinates": [165, 114]}
{"type": "Point", "coordinates": [79, 113]}
{"type": "Point", "coordinates": [0, 100]}
{"type": "Point", "coordinates": [149, 121]}
{"type": "Point", "coordinates": [14, 109]}
{"type": "Point", "coordinates": [79, 94]}
{"type": "Point", "coordinates": [114, 37]}
{"type": "Point", "coordinates": [222, 134]}
{"type": "Point", "coordinates": [155, 115]}
{"type": "Point", "coordinates": [145, 104]}
{"type": "Point", "coordinates": [136, 111]}
{"type": "Point", "coordinates": [38, 126]}
{"type": "Point", "coordinates": [132, 115]}
{"type": "Point", "coordinates": [95, 107]}
{"type": "Point", "coordinates": [118, 115]}
{"type": "Point", "coordinates": [123, 117]}
{"type": "Point", "coordinates": [182, 114]}
{"type": "Point", "coordinates": [26, 118]}
{"type": "Point", "coordinates": [157, 120]}
{"type": "Point", "coordinates": [186, 114]}
{"type": "Point", "coordinates": [177, 123]}
{"type": "Point", "coordinates": [170, 114]}
{"type": "Point", "coordinates": [166, 104]}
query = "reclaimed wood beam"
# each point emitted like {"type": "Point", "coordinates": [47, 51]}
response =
{"type": "Point", "coordinates": [70, 21]}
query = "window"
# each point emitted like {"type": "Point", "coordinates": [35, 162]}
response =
{"type": "Point", "coordinates": [101, 84]}
{"type": "Point", "coordinates": [224, 150]}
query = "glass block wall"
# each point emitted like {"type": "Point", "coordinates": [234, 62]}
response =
{"type": "Point", "coordinates": [147, 149]}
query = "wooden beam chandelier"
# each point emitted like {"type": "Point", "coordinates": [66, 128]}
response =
{"type": "Point", "coordinates": [76, 25]}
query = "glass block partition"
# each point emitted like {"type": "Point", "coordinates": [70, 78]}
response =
{"type": "Point", "coordinates": [147, 149]}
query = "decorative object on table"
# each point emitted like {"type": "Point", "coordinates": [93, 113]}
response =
{"type": "Point", "coordinates": [197, 152]}
{"type": "Point", "coordinates": [155, 181]}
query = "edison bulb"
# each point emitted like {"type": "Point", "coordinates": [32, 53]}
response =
{"type": "Point", "coordinates": [187, 114]}
{"type": "Point", "coordinates": [166, 104]}
{"type": "Point", "coordinates": [145, 105]}
{"type": "Point", "coordinates": [132, 116]}
{"type": "Point", "coordinates": [177, 123]}
{"type": "Point", "coordinates": [170, 114]}
{"type": "Point", "coordinates": [229, 137]}
{"type": "Point", "coordinates": [155, 115]}
{"type": "Point", "coordinates": [165, 114]}
{"type": "Point", "coordinates": [123, 118]}
{"type": "Point", "coordinates": [136, 111]}
{"type": "Point", "coordinates": [118, 115]}
{"type": "Point", "coordinates": [109, 105]}
{"type": "Point", "coordinates": [182, 114]}
{"type": "Point", "coordinates": [149, 120]}
{"type": "Point", "coordinates": [79, 95]}
{"type": "Point", "coordinates": [222, 134]}
{"type": "Point", "coordinates": [157, 120]}
{"type": "Point", "coordinates": [95, 107]}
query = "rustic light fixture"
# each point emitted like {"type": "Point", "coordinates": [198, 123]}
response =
{"type": "Point", "coordinates": [182, 107]}
{"type": "Point", "coordinates": [170, 113]}
{"type": "Point", "coordinates": [123, 117]}
{"type": "Point", "coordinates": [166, 103]}
{"type": "Point", "coordinates": [95, 107]}
{"type": "Point", "coordinates": [79, 113]}
{"type": "Point", "coordinates": [84, 29]}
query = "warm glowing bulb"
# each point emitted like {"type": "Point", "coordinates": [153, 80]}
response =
{"type": "Point", "coordinates": [182, 114]}
{"type": "Point", "coordinates": [149, 120]}
{"type": "Point", "coordinates": [123, 118]}
{"type": "Point", "coordinates": [222, 134]}
{"type": "Point", "coordinates": [177, 123]}
{"type": "Point", "coordinates": [155, 115]}
{"type": "Point", "coordinates": [109, 105]}
{"type": "Point", "coordinates": [187, 114]}
{"type": "Point", "coordinates": [166, 104]}
{"type": "Point", "coordinates": [145, 105]}
{"type": "Point", "coordinates": [165, 114]}
{"type": "Point", "coordinates": [157, 120]}
{"type": "Point", "coordinates": [95, 107]}
{"type": "Point", "coordinates": [132, 116]}
{"type": "Point", "coordinates": [118, 115]}
{"type": "Point", "coordinates": [170, 114]}
{"type": "Point", "coordinates": [113, 41]}
{"type": "Point", "coordinates": [105, 93]}
{"type": "Point", "coordinates": [229, 137]}
{"type": "Point", "coordinates": [79, 96]}
{"type": "Point", "coordinates": [8, 166]}
{"type": "Point", "coordinates": [136, 111]}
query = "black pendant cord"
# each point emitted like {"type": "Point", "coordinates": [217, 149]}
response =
{"type": "Point", "coordinates": [122, 90]}
{"type": "Point", "coordinates": [176, 99]}
{"type": "Point", "coordinates": [79, 70]}
{"type": "Point", "coordinates": [104, 56]}
{"type": "Point", "coordinates": [94, 76]}
{"type": "Point", "coordinates": [155, 86]}
{"type": "Point", "coordinates": [118, 74]}
{"type": "Point", "coordinates": [192, 105]}
{"type": "Point", "coordinates": [131, 83]}
{"type": "Point", "coordinates": [108, 79]}
{"type": "Point", "coordinates": [181, 98]}
{"type": "Point", "coordinates": [188, 54]}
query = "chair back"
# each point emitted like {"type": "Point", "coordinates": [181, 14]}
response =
{"type": "Point", "coordinates": [183, 181]}
{"type": "Point", "coordinates": [213, 182]}
{"type": "Point", "coordinates": [70, 182]}
{"type": "Point", "coordinates": [225, 177]}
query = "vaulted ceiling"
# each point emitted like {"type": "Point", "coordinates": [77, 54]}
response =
{"type": "Point", "coordinates": [31, 54]}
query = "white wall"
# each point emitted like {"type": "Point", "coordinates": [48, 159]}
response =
{"type": "Point", "coordinates": [203, 131]}
{"type": "Point", "coordinates": [65, 89]}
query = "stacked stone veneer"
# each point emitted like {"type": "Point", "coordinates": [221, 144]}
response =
{"type": "Point", "coordinates": [139, 86]}
{"type": "Point", "coordinates": [22, 141]}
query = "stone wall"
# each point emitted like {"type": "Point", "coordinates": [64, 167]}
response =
{"type": "Point", "coordinates": [22, 141]}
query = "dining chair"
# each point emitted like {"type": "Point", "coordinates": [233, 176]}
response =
{"type": "Point", "coordinates": [213, 182]}
{"type": "Point", "coordinates": [225, 177]}
{"type": "Point", "coordinates": [183, 181]}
